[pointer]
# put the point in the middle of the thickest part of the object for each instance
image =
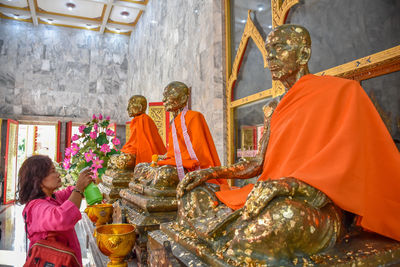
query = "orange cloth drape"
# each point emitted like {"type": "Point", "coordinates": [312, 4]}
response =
{"type": "Point", "coordinates": [327, 133]}
{"type": "Point", "coordinates": [202, 142]}
{"type": "Point", "coordinates": [144, 140]}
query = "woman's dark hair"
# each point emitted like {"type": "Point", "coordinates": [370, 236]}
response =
{"type": "Point", "coordinates": [30, 177]}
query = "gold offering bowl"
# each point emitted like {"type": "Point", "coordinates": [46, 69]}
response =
{"type": "Point", "coordinates": [115, 241]}
{"type": "Point", "coordinates": [100, 214]}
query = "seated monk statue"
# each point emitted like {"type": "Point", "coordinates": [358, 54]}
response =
{"type": "Point", "coordinates": [190, 147]}
{"type": "Point", "coordinates": [325, 154]}
{"type": "Point", "coordinates": [144, 142]}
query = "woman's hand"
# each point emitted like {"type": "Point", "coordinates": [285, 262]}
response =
{"type": "Point", "coordinates": [84, 179]}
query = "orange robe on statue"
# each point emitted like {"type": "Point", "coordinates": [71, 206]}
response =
{"type": "Point", "coordinates": [144, 140]}
{"type": "Point", "coordinates": [202, 142]}
{"type": "Point", "coordinates": [327, 133]}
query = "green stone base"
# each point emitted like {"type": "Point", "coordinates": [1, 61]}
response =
{"type": "Point", "coordinates": [365, 249]}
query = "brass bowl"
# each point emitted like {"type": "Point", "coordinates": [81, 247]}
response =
{"type": "Point", "coordinates": [115, 241]}
{"type": "Point", "coordinates": [100, 214]}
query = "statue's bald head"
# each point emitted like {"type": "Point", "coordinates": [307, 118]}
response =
{"type": "Point", "coordinates": [175, 96]}
{"type": "Point", "coordinates": [294, 34]}
{"type": "Point", "coordinates": [137, 105]}
{"type": "Point", "coordinates": [178, 87]}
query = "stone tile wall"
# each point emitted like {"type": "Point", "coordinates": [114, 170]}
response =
{"type": "Point", "coordinates": [181, 40]}
{"type": "Point", "coordinates": [61, 72]}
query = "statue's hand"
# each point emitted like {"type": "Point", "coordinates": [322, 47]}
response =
{"type": "Point", "coordinates": [262, 193]}
{"type": "Point", "coordinates": [192, 180]}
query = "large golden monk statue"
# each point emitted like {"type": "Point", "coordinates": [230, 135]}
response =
{"type": "Point", "coordinates": [320, 157]}
{"type": "Point", "coordinates": [144, 142]}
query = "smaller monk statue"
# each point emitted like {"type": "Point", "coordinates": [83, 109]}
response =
{"type": "Point", "coordinates": [151, 197]}
{"type": "Point", "coordinates": [143, 143]}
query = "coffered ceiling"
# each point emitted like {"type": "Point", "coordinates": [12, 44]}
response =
{"type": "Point", "coordinates": [114, 16]}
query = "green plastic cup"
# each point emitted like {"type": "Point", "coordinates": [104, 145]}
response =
{"type": "Point", "coordinates": [92, 194]}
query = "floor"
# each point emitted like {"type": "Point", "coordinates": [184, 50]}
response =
{"type": "Point", "coordinates": [13, 241]}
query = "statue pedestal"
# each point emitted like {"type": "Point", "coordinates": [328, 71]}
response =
{"type": "Point", "coordinates": [365, 249]}
{"type": "Point", "coordinates": [112, 182]}
{"type": "Point", "coordinates": [146, 213]}
{"type": "Point", "coordinates": [177, 256]}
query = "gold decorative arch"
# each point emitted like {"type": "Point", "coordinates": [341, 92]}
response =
{"type": "Point", "coordinates": [280, 9]}
{"type": "Point", "coordinates": [370, 66]}
{"type": "Point", "coordinates": [250, 32]}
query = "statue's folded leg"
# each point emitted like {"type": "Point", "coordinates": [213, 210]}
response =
{"type": "Point", "coordinates": [286, 228]}
{"type": "Point", "coordinates": [201, 211]}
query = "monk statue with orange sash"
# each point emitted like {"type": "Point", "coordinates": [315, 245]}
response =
{"type": "Point", "coordinates": [326, 165]}
{"type": "Point", "coordinates": [151, 197]}
{"type": "Point", "coordinates": [144, 142]}
{"type": "Point", "coordinates": [190, 147]}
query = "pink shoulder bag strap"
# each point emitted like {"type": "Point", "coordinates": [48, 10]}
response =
{"type": "Point", "coordinates": [188, 143]}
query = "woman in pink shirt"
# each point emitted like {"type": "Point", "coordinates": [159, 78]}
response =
{"type": "Point", "coordinates": [46, 210]}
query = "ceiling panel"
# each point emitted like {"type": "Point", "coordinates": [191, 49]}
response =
{"type": "Point", "coordinates": [16, 16]}
{"type": "Point", "coordinates": [85, 9]}
{"type": "Point", "coordinates": [15, 3]}
{"type": "Point", "coordinates": [113, 16]}
{"type": "Point", "coordinates": [66, 22]}
{"type": "Point", "coordinates": [124, 14]}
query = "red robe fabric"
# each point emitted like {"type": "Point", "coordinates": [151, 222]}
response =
{"type": "Point", "coordinates": [144, 140]}
{"type": "Point", "coordinates": [202, 142]}
{"type": "Point", "coordinates": [327, 133]}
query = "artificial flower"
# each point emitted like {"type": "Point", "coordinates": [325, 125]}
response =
{"type": "Point", "coordinates": [89, 156]}
{"type": "Point", "coordinates": [75, 149]}
{"type": "Point", "coordinates": [109, 132]}
{"type": "Point", "coordinates": [75, 137]}
{"type": "Point", "coordinates": [100, 116]}
{"type": "Point", "coordinates": [81, 128]}
{"type": "Point", "coordinates": [97, 163]}
{"type": "Point", "coordinates": [105, 148]}
{"type": "Point", "coordinates": [68, 152]}
{"type": "Point", "coordinates": [115, 141]}
{"type": "Point", "coordinates": [93, 135]}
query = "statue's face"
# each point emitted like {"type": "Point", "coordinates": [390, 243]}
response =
{"type": "Point", "coordinates": [135, 107]}
{"type": "Point", "coordinates": [282, 54]}
{"type": "Point", "coordinates": [174, 99]}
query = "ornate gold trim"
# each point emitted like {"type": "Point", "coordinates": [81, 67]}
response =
{"type": "Point", "coordinates": [138, 17]}
{"type": "Point", "coordinates": [6, 17]}
{"type": "Point", "coordinates": [14, 7]}
{"type": "Point", "coordinates": [136, 2]}
{"type": "Point", "coordinates": [377, 64]}
{"type": "Point", "coordinates": [250, 31]}
{"type": "Point", "coordinates": [280, 9]}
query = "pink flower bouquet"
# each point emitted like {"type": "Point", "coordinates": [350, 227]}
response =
{"type": "Point", "coordinates": [92, 147]}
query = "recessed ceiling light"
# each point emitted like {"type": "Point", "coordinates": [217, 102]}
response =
{"type": "Point", "coordinates": [124, 14]}
{"type": "Point", "coordinates": [70, 5]}
{"type": "Point", "coordinates": [260, 7]}
{"type": "Point", "coordinates": [243, 21]}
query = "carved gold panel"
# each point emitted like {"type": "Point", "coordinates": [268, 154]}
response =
{"type": "Point", "coordinates": [159, 116]}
